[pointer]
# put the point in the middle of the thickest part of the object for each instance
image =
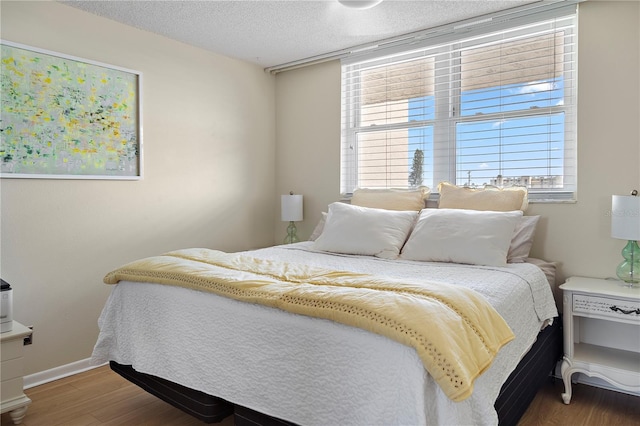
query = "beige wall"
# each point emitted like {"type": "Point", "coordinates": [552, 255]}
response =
{"type": "Point", "coordinates": [210, 121]}
{"type": "Point", "coordinates": [575, 235]}
{"type": "Point", "coordinates": [308, 141]}
{"type": "Point", "coordinates": [209, 155]}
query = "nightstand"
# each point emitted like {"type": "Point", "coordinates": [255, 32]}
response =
{"type": "Point", "coordinates": [601, 321]}
{"type": "Point", "coordinates": [13, 398]}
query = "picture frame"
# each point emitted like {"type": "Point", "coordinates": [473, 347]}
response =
{"type": "Point", "coordinates": [64, 117]}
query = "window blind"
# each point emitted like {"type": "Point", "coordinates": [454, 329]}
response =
{"type": "Point", "coordinates": [491, 108]}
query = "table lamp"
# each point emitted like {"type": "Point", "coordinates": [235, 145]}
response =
{"type": "Point", "coordinates": [625, 225]}
{"type": "Point", "coordinates": [291, 211]}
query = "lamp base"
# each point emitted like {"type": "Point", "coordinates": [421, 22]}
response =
{"type": "Point", "coordinates": [629, 270]}
{"type": "Point", "coordinates": [291, 234]}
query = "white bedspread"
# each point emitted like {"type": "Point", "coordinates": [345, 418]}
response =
{"type": "Point", "coordinates": [313, 371]}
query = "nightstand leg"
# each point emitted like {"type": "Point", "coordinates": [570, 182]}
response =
{"type": "Point", "coordinates": [566, 372]}
{"type": "Point", "coordinates": [18, 414]}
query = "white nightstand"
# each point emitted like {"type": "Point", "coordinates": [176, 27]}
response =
{"type": "Point", "coordinates": [13, 398]}
{"type": "Point", "coordinates": [601, 321]}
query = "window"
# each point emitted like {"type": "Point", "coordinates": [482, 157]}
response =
{"type": "Point", "coordinates": [495, 106]}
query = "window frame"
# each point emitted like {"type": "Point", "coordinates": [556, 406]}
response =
{"type": "Point", "coordinates": [448, 107]}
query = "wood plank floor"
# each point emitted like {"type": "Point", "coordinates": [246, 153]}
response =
{"type": "Point", "coordinates": [101, 397]}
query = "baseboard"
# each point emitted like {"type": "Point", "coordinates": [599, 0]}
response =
{"type": "Point", "coordinates": [58, 373]}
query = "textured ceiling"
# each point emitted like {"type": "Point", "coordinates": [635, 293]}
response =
{"type": "Point", "coordinates": [271, 33]}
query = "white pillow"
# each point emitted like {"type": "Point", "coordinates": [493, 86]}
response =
{"type": "Point", "coordinates": [462, 236]}
{"type": "Point", "coordinates": [366, 231]}
{"type": "Point", "coordinates": [522, 239]}
{"type": "Point", "coordinates": [319, 227]}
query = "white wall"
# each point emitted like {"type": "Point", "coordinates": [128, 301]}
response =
{"type": "Point", "coordinates": [209, 156]}
{"type": "Point", "coordinates": [575, 235]}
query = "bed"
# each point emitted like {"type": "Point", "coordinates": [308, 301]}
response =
{"type": "Point", "coordinates": [211, 353]}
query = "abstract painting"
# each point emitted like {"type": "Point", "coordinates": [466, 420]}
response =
{"type": "Point", "coordinates": [66, 117]}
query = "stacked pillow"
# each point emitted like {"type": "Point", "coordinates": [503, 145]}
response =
{"type": "Point", "coordinates": [471, 226]}
{"type": "Point", "coordinates": [387, 199]}
{"type": "Point", "coordinates": [462, 236]}
{"type": "Point", "coordinates": [495, 199]}
{"type": "Point", "coordinates": [366, 231]}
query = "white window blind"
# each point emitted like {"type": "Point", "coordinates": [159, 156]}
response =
{"type": "Point", "coordinates": [495, 108]}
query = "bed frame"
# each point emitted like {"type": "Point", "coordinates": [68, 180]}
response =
{"type": "Point", "coordinates": [515, 396]}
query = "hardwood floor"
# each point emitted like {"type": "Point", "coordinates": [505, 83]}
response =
{"type": "Point", "coordinates": [589, 406]}
{"type": "Point", "coordinates": [101, 397]}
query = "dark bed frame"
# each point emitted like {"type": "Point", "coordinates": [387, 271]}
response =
{"type": "Point", "coordinates": [513, 400]}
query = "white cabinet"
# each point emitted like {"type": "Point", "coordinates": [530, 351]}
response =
{"type": "Point", "coordinates": [13, 398]}
{"type": "Point", "coordinates": [601, 321]}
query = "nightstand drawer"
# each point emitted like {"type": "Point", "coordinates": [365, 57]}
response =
{"type": "Point", "coordinates": [606, 307]}
{"type": "Point", "coordinates": [11, 389]}
{"type": "Point", "coordinates": [11, 369]}
{"type": "Point", "coordinates": [11, 349]}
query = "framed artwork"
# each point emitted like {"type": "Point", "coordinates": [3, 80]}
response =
{"type": "Point", "coordinates": [63, 117]}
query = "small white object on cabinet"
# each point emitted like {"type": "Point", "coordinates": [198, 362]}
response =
{"type": "Point", "coordinates": [13, 398]}
{"type": "Point", "coordinates": [601, 322]}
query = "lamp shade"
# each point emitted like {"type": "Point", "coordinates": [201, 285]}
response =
{"type": "Point", "coordinates": [625, 217]}
{"type": "Point", "coordinates": [291, 206]}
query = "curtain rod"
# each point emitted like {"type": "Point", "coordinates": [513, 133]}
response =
{"type": "Point", "coordinates": [464, 25]}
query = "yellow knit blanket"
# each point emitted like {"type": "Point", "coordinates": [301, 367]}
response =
{"type": "Point", "coordinates": [454, 329]}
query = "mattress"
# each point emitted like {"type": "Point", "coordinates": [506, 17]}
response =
{"type": "Point", "coordinates": [515, 395]}
{"type": "Point", "coordinates": [313, 371]}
